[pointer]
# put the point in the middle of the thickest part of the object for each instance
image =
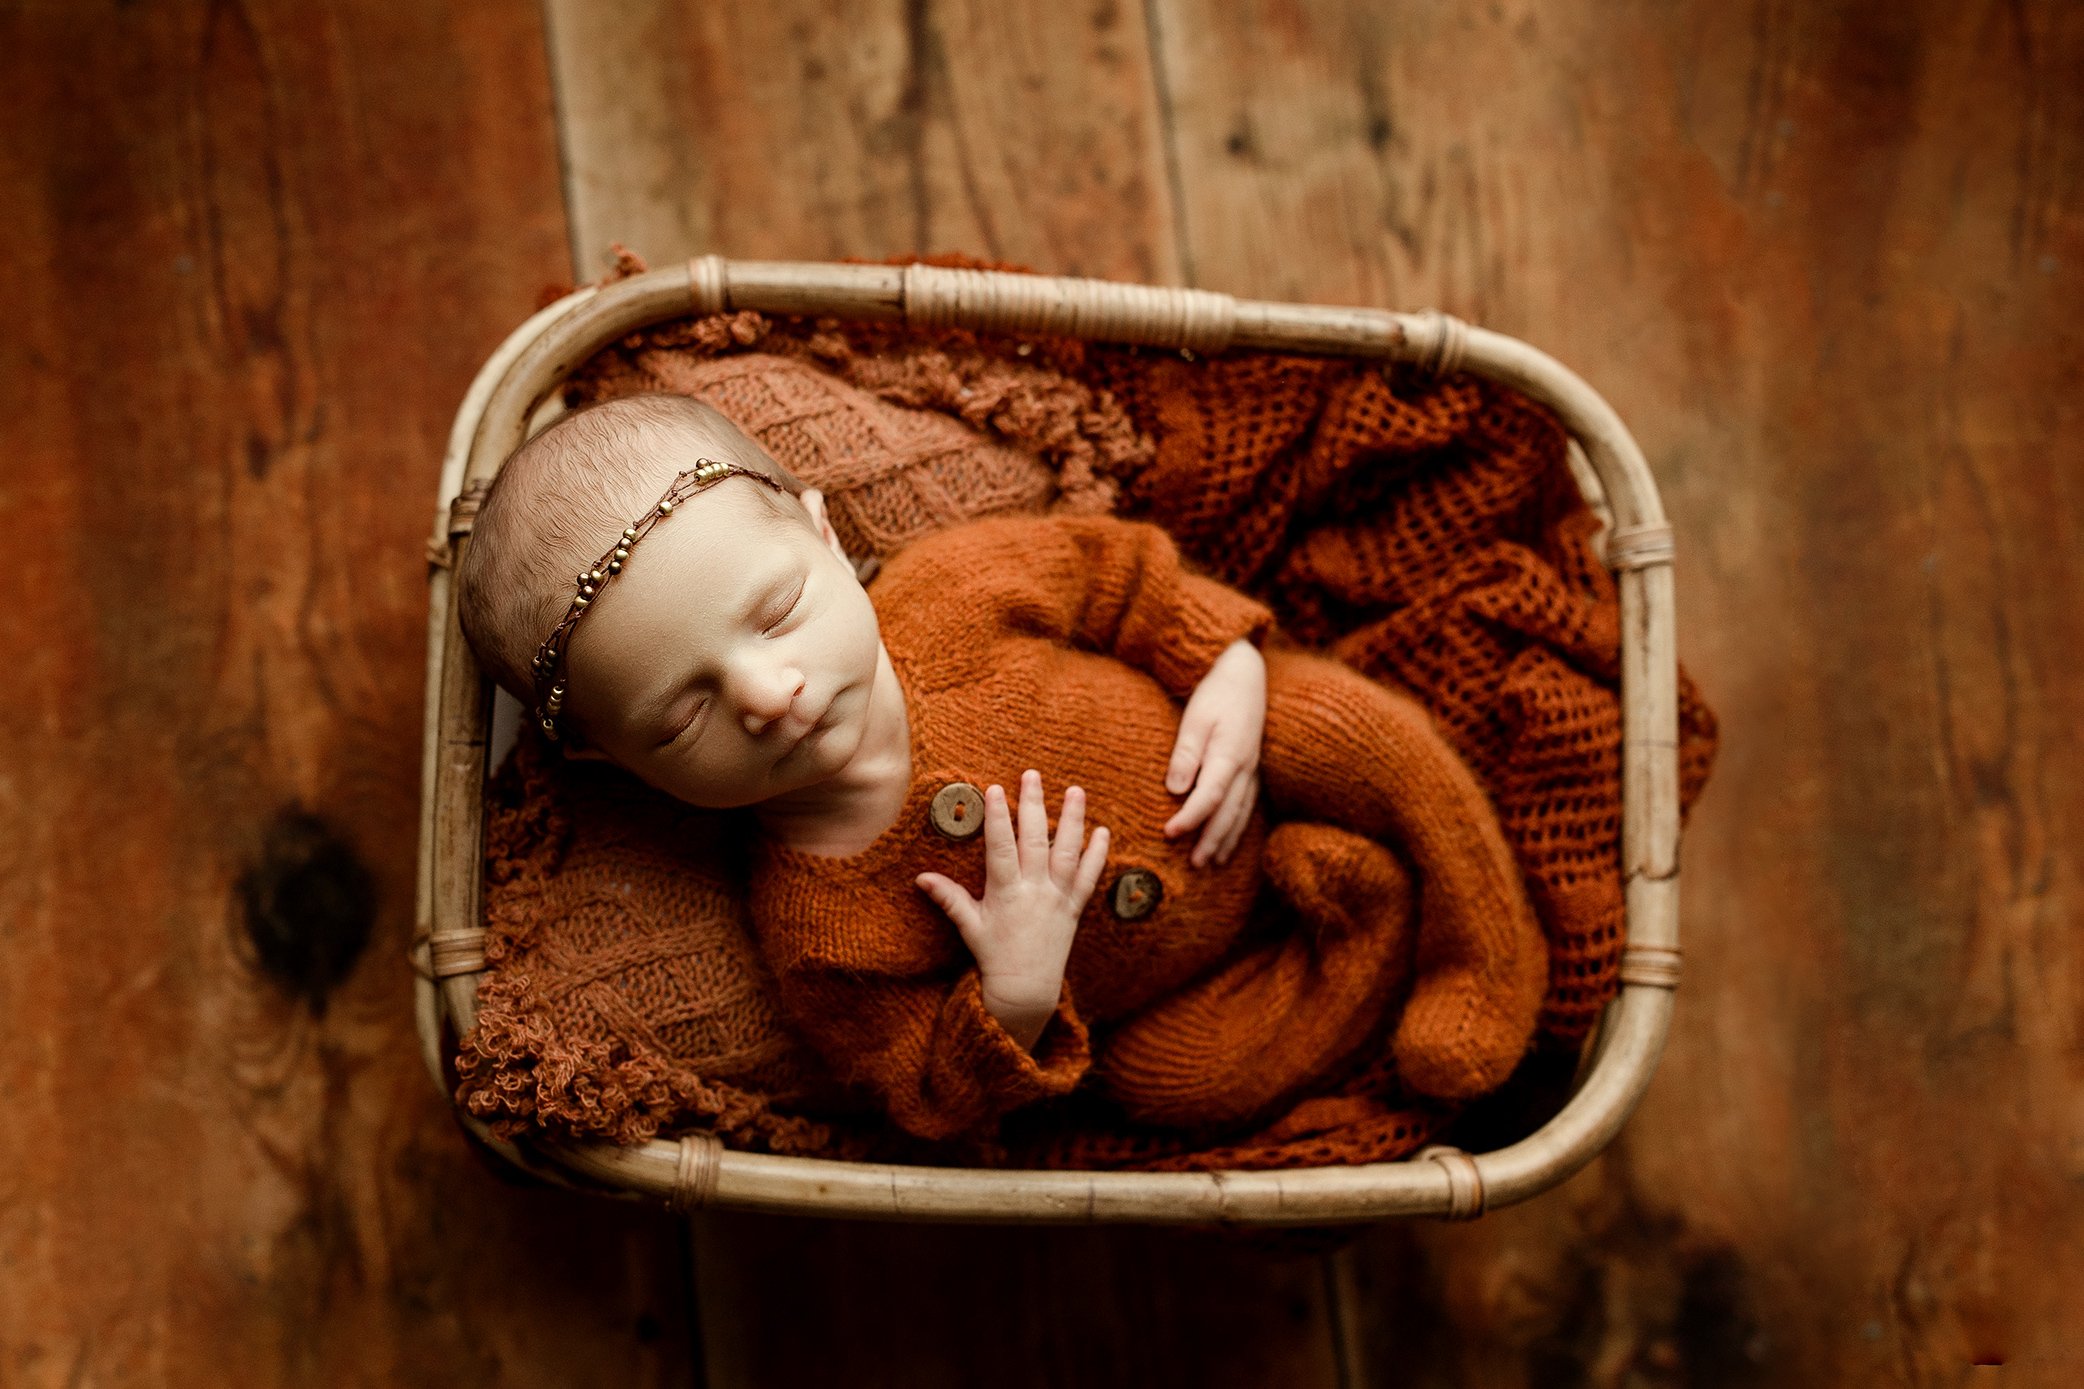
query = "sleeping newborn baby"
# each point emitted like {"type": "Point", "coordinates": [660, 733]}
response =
{"type": "Point", "coordinates": [931, 931]}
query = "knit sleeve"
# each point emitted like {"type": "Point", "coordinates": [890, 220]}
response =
{"type": "Point", "coordinates": [1109, 585]}
{"type": "Point", "coordinates": [891, 1012]}
{"type": "Point", "coordinates": [941, 1064]}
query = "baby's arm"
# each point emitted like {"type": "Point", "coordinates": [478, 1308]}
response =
{"type": "Point", "coordinates": [917, 1034]}
{"type": "Point", "coordinates": [1033, 893]}
{"type": "Point", "coordinates": [1120, 587]}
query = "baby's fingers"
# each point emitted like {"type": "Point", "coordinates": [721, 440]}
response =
{"type": "Point", "coordinates": [1034, 821]}
{"type": "Point", "coordinates": [952, 898]}
{"type": "Point", "coordinates": [1216, 774]}
{"type": "Point", "coordinates": [1089, 869]}
{"type": "Point", "coordinates": [1070, 835]}
{"type": "Point", "coordinates": [1223, 827]}
{"type": "Point", "coordinates": [1186, 754]}
{"type": "Point", "coordinates": [1237, 830]}
{"type": "Point", "coordinates": [1001, 859]}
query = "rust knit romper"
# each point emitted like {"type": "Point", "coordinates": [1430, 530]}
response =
{"type": "Point", "coordinates": [1193, 997]}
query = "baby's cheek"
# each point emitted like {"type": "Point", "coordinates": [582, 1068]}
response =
{"type": "Point", "coordinates": [697, 782]}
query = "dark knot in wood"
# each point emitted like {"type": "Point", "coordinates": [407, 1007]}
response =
{"type": "Point", "coordinates": [309, 904]}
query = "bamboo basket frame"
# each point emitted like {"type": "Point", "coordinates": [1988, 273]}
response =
{"type": "Point", "coordinates": [447, 953]}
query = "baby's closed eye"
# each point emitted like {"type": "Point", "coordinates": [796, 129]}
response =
{"type": "Point", "coordinates": [790, 605]}
{"type": "Point", "coordinates": [692, 719]}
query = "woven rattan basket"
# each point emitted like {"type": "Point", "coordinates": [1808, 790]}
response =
{"type": "Point", "coordinates": [525, 373]}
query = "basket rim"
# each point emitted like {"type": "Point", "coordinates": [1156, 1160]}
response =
{"type": "Point", "coordinates": [525, 371]}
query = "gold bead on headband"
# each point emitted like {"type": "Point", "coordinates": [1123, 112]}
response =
{"type": "Point", "coordinates": [549, 657]}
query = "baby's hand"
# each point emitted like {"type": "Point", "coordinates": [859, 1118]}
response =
{"type": "Point", "coordinates": [1219, 734]}
{"type": "Point", "coordinates": [1021, 932]}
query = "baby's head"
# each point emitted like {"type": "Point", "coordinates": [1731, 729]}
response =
{"type": "Point", "coordinates": [731, 660]}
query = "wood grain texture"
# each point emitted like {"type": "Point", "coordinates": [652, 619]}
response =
{"type": "Point", "coordinates": [810, 129]}
{"type": "Point", "coordinates": [1825, 263]}
{"type": "Point", "coordinates": [253, 254]}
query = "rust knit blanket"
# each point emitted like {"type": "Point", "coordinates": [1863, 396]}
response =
{"type": "Point", "coordinates": [1426, 531]}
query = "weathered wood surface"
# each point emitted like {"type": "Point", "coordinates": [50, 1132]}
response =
{"type": "Point", "coordinates": [1825, 261]}
{"type": "Point", "coordinates": [819, 130]}
{"type": "Point", "coordinates": [252, 255]}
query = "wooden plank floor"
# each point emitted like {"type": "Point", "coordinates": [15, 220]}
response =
{"type": "Point", "coordinates": [1824, 260]}
{"type": "Point", "coordinates": [252, 255]}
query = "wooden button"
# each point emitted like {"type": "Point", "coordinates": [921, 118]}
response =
{"type": "Point", "coordinates": [958, 810]}
{"type": "Point", "coordinates": [1136, 894]}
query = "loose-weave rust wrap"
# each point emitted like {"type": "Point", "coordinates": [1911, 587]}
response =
{"type": "Point", "coordinates": [1428, 532]}
{"type": "Point", "coordinates": [1425, 530]}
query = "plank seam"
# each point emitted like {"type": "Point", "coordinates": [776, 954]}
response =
{"type": "Point", "coordinates": [1168, 138]}
{"type": "Point", "coordinates": [567, 173]}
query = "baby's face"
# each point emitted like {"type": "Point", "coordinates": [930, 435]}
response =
{"type": "Point", "coordinates": [733, 658]}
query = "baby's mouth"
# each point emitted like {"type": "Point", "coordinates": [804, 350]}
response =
{"type": "Point", "coordinates": [812, 727]}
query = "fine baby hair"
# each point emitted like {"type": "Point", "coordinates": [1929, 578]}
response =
{"type": "Point", "coordinates": [560, 517]}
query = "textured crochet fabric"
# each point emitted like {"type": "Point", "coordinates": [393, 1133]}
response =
{"type": "Point", "coordinates": [893, 474]}
{"type": "Point", "coordinates": [978, 437]}
{"type": "Point", "coordinates": [623, 994]}
{"type": "Point", "coordinates": [1425, 531]}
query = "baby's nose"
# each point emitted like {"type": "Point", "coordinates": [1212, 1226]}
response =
{"type": "Point", "coordinates": [771, 700]}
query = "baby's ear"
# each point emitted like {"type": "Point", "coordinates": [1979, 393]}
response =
{"type": "Point", "coordinates": [814, 502]}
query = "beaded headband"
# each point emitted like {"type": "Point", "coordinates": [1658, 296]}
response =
{"type": "Point", "coordinates": [549, 657]}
